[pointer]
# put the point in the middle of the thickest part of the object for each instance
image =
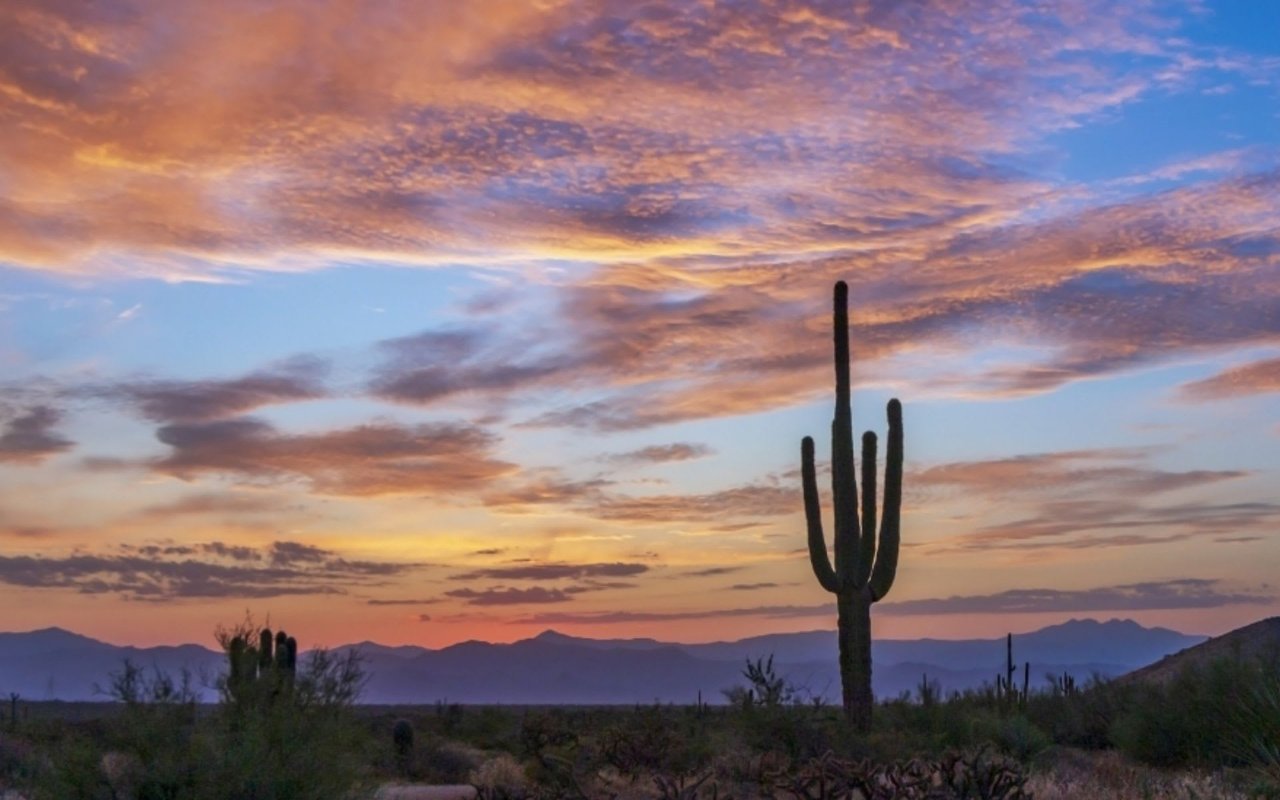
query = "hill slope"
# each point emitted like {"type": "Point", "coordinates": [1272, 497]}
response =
{"type": "Point", "coordinates": [1258, 640]}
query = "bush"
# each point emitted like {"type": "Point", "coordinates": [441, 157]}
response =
{"type": "Point", "coordinates": [500, 778]}
{"type": "Point", "coordinates": [1189, 721]}
{"type": "Point", "coordinates": [269, 739]}
{"type": "Point", "coordinates": [300, 744]}
{"type": "Point", "coordinates": [1255, 727]}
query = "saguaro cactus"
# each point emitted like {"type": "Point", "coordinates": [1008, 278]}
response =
{"type": "Point", "coordinates": [259, 675]}
{"type": "Point", "coordinates": [864, 571]}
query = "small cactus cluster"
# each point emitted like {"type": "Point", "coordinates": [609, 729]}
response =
{"type": "Point", "coordinates": [1006, 691]}
{"type": "Point", "coordinates": [1064, 685]}
{"type": "Point", "coordinates": [260, 674]}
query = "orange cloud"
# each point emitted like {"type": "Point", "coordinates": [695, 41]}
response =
{"type": "Point", "coordinates": [178, 138]}
{"type": "Point", "coordinates": [374, 459]}
{"type": "Point", "coordinates": [1256, 378]}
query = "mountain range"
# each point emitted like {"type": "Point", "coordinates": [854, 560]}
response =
{"type": "Point", "coordinates": [554, 668]}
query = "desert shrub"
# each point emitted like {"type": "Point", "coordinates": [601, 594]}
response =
{"type": "Point", "coordinates": [548, 732]}
{"type": "Point", "coordinates": [73, 771]}
{"type": "Point", "coordinates": [302, 744]}
{"type": "Point", "coordinates": [796, 731]}
{"type": "Point", "coordinates": [153, 741]}
{"type": "Point", "coordinates": [500, 778]}
{"type": "Point", "coordinates": [486, 727]}
{"type": "Point", "coordinates": [1083, 719]}
{"type": "Point", "coordinates": [18, 761]}
{"type": "Point", "coordinates": [1254, 727]}
{"type": "Point", "coordinates": [655, 740]}
{"type": "Point", "coordinates": [1018, 737]}
{"type": "Point", "coordinates": [441, 760]}
{"type": "Point", "coordinates": [1188, 722]}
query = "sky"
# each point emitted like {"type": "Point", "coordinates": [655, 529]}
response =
{"type": "Point", "coordinates": [427, 321]}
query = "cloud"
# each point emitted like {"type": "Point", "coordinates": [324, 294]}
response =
{"type": "Point", "coordinates": [1115, 471]}
{"type": "Point", "coordinates": [1077, 524]}
{"type": "Point", "coordinates": [710, 571]}
{"type": "Point", "coordinates": [287, 553]}
{"type": "Point", "coordinates": [512, 597]}
{"type": "Point", "coordinates": [228, 551]}
{"type": "Point", "coordinates": [216, 504]}
{"type": "Point", "coordinates": [617, 617]}
{"type": "Point", "coordinates": [1183, 593]}
{"type": "Point", "coordinates": [1083, 499]}
{"type": "Point", "coordinates": [555, 571]}
{"type": "Point", "coordinates": [28, 436]}
{"type": "Point", "coordinates": [202, 401]}
{"type": "Point", "coordinates": [661, 454]}
{"type": "Point", "coordinates": [755, 500]}
{"type": "Point", "coordinates": [375, 459]}
{"type": "Point", "coordinates": [174, 572]}
{"type": "Point", "coordinates": [413, 601]}
{"type": "Point", "coordinates": [1256, 378]}
{"type": "Point", "coordinates": [558, 133]}
{"type": "Point", "coordinates": [541, 487]}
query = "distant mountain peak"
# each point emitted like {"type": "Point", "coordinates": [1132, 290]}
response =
{"type": "Point", "coordinates": [551, 635]}
{"type": "Point", "coordinates": [53, 634]}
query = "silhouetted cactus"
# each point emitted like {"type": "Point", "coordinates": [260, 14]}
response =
{"type": "Point", "coordinates": [1007, 693]}
{"type": "Point", "coordinates": [863, 572]}
{"type": "Point", "coordinates": [1064, 685]}
{"type": "Point", "coordinates": [402, 740]}
{"type": "Point", "coordinates": [13, 710]}
{"type": "Point", "coordinates": [259, 675]}
{"type": "Point", "coordinates": [1009, 669]}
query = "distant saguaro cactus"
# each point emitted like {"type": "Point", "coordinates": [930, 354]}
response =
{"type": "Point", "coordinates": [863, 572]}
{"type": "Point", "coordinates": [402, 739]}
{"type": "Point", "coordinates": [259, 675]}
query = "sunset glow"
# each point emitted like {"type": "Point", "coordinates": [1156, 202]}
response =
{"type": "Point", "coordinates": [428, 321]}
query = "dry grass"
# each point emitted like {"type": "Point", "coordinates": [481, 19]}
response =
{"type": "Point", "coordinates": [1072, 774]}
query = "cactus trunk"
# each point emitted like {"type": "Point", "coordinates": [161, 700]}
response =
{"type": "Point", "coordinates": [854, 619]}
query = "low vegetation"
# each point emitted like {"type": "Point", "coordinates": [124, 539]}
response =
{"type": "Point", "coordinates": [277, 733]}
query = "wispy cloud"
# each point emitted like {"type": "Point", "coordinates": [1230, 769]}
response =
{"type": "Point", "coordinates": [533, 595]}
{"type": "Point", "coordinates": [1116, 471]}
{"type": "Point", "coordinates": [1256, 378]}
{"type": "Point", "coordinates": [373, 459]}
{"type": "Point", "coordinates": [661, 454]}
{"type": "Point", "coordinates": [208, 570]}
{"type": "Point", "coordinates": [615, 617]}
{"type": "Point", "coordinates": [755, 500]}
{"type": "Point", "coordinates": [554, 571]}
{"type": "Point", "coordinates": [1182, 593]}
{"type": "Point", "coordinates": [204, 400]}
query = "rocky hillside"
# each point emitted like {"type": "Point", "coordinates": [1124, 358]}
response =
{"type": "Point", "coordinates": [1260, 639]}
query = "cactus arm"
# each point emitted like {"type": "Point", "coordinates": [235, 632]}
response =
{"type": "Point", "coordinates": [886, 567]}
{"type": "Point", "coordinates": [264, 651]}
{"type": "Point", "coordinates": [813, 516]}
{"type": "Point", "coordinates": [867, 544]}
